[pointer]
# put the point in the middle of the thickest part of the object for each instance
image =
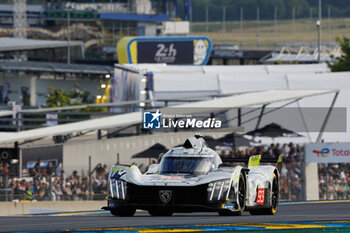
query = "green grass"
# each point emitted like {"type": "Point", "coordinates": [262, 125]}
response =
{"type": "Point", "coordinates": [339, 27]}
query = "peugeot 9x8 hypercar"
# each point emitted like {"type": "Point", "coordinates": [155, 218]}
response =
{"type": "Point", "coordinates": [192, 178]}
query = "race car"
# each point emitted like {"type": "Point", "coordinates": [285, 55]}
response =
{"type": "Point", "coordinates": [192, 178]}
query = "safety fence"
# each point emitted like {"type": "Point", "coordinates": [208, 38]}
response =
{"type": "Point", "coordinates": [75, 186]}
{"type": "Point", "coordinates": [334, 179]}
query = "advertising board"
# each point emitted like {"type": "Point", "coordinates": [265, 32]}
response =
{"type": "Point", "coordinates": [124, 87]}
{"type": "Point", "coordinates": [174, 52]}
{"type": "Point", "coordinates": [169, 50]}
{"type": "Point", "coordinates": [327, 152]}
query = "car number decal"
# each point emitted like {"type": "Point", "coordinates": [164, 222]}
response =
{"type": "Point", "coordinates": [261, 196]}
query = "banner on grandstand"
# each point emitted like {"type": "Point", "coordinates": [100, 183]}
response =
{"type": "Point", "coordinates": [327, 152]}
{"type": "Point", "coordinates": [125, 86]}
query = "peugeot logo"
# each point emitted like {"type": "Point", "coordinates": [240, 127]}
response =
{"type": "Point", "coordinates": [165, 195]}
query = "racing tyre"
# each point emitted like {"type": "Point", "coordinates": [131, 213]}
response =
{"type": "Point", "coordinates": [160, 212]}
{"type": "Point", "coordinates": [241, 199]}
{"type": "Point", "coordinates": [123, 212]}
{"type": "Point", "coordinates": [274, 200]}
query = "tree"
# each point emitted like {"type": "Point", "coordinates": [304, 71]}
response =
{"type": "Point", "coordinates": [72, 97]}
{"type": "Point", "coordinates": [342, 63]}
{"type": "Point", "coordinates": [60, 98]}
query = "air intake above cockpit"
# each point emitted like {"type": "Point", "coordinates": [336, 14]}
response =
{"type": "Point", "coordinates": [194, 142]}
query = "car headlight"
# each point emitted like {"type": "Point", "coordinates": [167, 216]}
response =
{"type": "Point", "coordinates": [117, 189]}
{"type": "Point", "coordinates": [226, 185]}
{"type": "Point", "coordinates": [210, 187]}
{"type": "Point", "coordinates": [218, 190]}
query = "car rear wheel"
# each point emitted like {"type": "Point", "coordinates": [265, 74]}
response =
{"type": "Point", "coordinates": [160, 212]}
{"type": "Point", "coordinates": [274, 200]}
{"type": "Point", "coordinates": [123, 212]}
{"type": "Point", "coordinates": [241, 199]}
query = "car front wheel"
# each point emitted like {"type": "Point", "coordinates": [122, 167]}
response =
{"type": "Point", "coordinates": [241, 199]}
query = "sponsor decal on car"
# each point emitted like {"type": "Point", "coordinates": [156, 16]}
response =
{"type": "Point", "coordinates": [161, 179]}
{"type": "Point", "coordinates": [228, 206]}
{"type": "Point", "coordinates": [118, 174]}
{"type": "Point", "coordinates": [119, 167]}
{"type": "Point", "coordinates": [165, 196]}
{"type": "Point", "coordinates": [111, 204]}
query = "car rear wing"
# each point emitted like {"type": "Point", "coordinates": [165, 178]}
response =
{"type": "Point", "coordinates": [255, 160]}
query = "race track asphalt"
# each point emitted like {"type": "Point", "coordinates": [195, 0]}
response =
{"type": "Point", "coordinates": [331, 211]}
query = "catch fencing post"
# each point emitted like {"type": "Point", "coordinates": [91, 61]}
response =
{"type": "Point", "coordinates": [206, 19]}
{"type": "Point", "coordinates": [327, 183]}
{"type": "Point", "coordinates": [303, 182]}
{"type": "Point", "coordinates": [17, 122]}
{"type": "Point", "coordinates": [289, 187]}
{"type": "Point", "coordinates": [275, 28]}
{"type": "Point", "coordinates": [6, 188]}
{"type": "Point", "coordinates": [50, 186]}
{"type": "Point", "coordinates": [224, 22]}
{"type": "Point", "coordinates": [90, 183]}
{"type": "Point", "coordinates": [241, 29]}
{"type": "Point", "coordinates": [239, 117]}
{"type": "Point", "coordinates": [258, 27]}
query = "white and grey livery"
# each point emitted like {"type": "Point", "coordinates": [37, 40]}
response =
{"type": "Point", "coordinates": [193, 178]}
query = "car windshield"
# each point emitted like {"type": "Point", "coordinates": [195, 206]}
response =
{"type": "Point", "coordinates": [194, 166]}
